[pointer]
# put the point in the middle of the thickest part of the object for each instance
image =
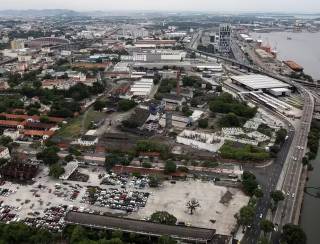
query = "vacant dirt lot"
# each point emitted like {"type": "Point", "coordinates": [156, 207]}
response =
{"type": "Point", "coordinates": [173, 198]}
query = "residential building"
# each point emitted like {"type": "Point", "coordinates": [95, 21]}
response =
{"type": "Point", "coordinates": [17, 44]}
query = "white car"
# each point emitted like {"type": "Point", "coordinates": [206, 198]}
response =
{"type": "Point", "coordinates": [293, 195]}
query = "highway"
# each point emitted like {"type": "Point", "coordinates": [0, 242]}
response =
{"type": "Point", "coordinates": [293, 166]}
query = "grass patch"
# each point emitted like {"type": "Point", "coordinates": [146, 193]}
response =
{"type": "Point", "coordinates": [238, 151]}
{"type": "Point", "coordinates": [73, 129]}
{"type": "Point", "coordinates": [92, 116]}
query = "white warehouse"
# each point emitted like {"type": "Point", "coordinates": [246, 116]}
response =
{"type": "Point", "coordinates": [199, 140]}
{"type": "Point", "coordinates": [142, 87]}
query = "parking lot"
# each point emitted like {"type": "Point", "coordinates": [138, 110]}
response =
{"type": "Point", "coordinates": [118, 195]}
{"type": "Point", "coordinates": [211, 214]}
{"type": "Point", "coordinates": [46, 202]}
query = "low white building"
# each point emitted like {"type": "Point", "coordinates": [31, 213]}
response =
{"type": "Point", "coordinates": [199, 140]}
{"type": "Point", "coordinates": [210, 67]}
{"type": "Point", "coordinates": [155, 56]}
{"type": "Point", "coordinates": [4, 153]}
{"type": "Point", "coordinates": [13, 134]}
{"type": "Point", "coordinates": [87, 140]}
{"type": "Point", "coordinates": [142, 88]}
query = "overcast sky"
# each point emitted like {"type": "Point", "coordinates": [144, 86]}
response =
{"type": "Point", "coordinates": [206, 5]}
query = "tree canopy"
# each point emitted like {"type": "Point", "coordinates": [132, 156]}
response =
{"type": "Point", "coordinates": [170, 167]}
{"type": "Point", "coordinates": [49, 155]}
{"type": "Point", "coordinates": [277, 196]}
{"type": "Point", "coordinates": [163, 217]}
{"type": "Point", "coordinates": [56, 170]}
{"type": "Point", "coordinates": [266, 226]}
{"type": "Point", "coordinates": [225, 103]}
{"type": "Point", "coordinates": [249, 182]}
{"type": "Point", "coordinates": [293, 234]}
{"type": "Point", "coordinates": [246, 215]}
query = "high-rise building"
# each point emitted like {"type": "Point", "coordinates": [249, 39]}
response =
{"type": "Point", "coordinates": [225, 38]}
{"type": "Point", "coordinates": [17, 44]}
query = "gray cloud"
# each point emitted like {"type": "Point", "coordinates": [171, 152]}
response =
{"type": "Point", "coordinates": [175, 5]}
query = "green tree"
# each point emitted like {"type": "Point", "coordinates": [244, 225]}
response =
{"type": "Point", "coordinates": [246, 216]}
{"type": "Point", "coordinates": [203, 123]}
{"type": "Point", "coordinates": [44, 119]}
{"type": "Point", "coordinates": [249, 183]}
{"type": "Point", "coordinates": [98, 105]}
{"type": "Point", "coordinates": [219, 89]}
{"type": "Point", "coordinates": [56, 170]}
{"type": "Point", "coordinates": [186, 111]}
{"type": "Point", "coordinates": [277, 196]}
{"type": "Point", "coordinates": [263, 240]}
{"type": "Point", "coordinates": [281, 136]}
{"type": "Point", "coordinates": [126, 105]}
{"type": "Point", "coordinates": [5, 141]}
{"type": "Point", "coordinates": [258, 193]}
{"type": "Point", "coordinates": [16, 233]}
{"type": "Point", "coordinates": [78, 234]}
{"type": "Point", "coordinates": [293, 234]}
{"type": "Point", "coordinates": [68, 158]}
{"type": "Point", "coordinates": [117, 234]}
{"type": "Point", "coordinates": [163, 217]}
{"type": "Point", "coordinates": [305, 161]}
{"type": "Point", "coordinates": [49, 155]}
{"type": "Point", "coordinates": [154, 181]}
{"type": "Point", "coordinates": [166, 240]}
{"type": "Point", "coordinates": [42, 236]}
{"type": "Point", "coordinates": [170, 167]}
{"type": "Point", "coordinates": [110, 161]}
{"type": "Point", "coordinates": [266, 226]}
{"type": "Point", "coordinates": [229, 120]}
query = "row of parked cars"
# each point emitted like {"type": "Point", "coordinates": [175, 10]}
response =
{"type": "Point", "coordinates": [52, 220]}
{"type": "Point", "coordinates": [7, 215]}
{"type": "Point", "coordinates": [4, 192]}
{"type": "Point", "coordinates": [129, 201]}
{"type": "Point", "coordinates": [124, 180]}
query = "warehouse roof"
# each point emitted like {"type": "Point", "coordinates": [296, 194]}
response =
{"type": "Point", "coordinates": [138, 226]}
{"type": "Point", "coordinates": [256, 82]}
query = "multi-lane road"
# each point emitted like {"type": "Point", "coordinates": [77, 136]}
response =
{"type": "Point", "coordinates": [289, 184]}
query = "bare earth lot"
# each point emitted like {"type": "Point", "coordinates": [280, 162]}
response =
{"type": "Point", "coordinates": [173, 198]}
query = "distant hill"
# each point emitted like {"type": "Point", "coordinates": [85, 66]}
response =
{"type": "Point", "coordinates": [39, 13]}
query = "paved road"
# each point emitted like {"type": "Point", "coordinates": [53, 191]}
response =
{"type": "Point", "coordinates": [290, 185]}
{"type": "Point", "coordinates": [268, 179]}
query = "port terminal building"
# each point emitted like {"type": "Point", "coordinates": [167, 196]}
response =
{"type": "Point", "coordinates": [262, 83]}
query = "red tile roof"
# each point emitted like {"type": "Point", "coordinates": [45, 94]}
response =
{"type": "Point", "coordinates": [10, 123]}
{"type": "Point", "coordinates": [37, 133]}
{"type": "Point", "coordinates": [25, 117]}
{"type": "Point", "coordinates": [38, 125]}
